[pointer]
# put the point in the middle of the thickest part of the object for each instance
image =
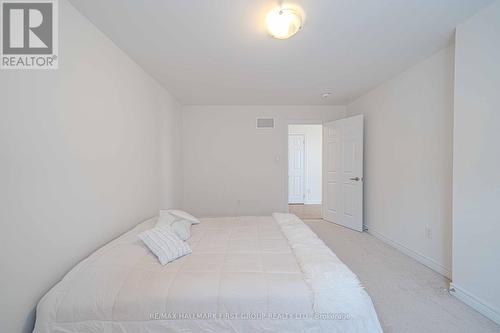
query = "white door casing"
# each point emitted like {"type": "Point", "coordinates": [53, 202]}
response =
{"type": "Point", "coordinates": [296, 168]}
{"type": "Point", "coordinates": [343, 172]}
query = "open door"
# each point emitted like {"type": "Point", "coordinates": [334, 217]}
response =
{"type": "Point", "coordinates": [343, 172]}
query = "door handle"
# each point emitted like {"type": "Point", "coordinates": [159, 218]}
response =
{"type": "Point", "coordinates": [357, 179]}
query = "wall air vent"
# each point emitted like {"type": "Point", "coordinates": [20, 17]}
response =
{"type": "Point", "coordinates": [267, 123]}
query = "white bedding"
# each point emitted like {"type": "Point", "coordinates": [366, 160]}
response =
{"type": "Point", "coordinates": [246, 274]}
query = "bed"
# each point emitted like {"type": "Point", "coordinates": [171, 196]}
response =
{"type": "Point", "coordinates": [245, 274]}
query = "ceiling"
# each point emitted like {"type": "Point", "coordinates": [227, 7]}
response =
{"type": "Point", "coordinates": [218, 52]}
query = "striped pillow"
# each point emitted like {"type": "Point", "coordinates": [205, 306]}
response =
{"type": "Point", "coordinates": [164, 243]}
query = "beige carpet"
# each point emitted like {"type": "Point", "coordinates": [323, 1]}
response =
{"type": "Point", "coordinates": [408, 296]}
{"type": "Point", "coordinates": [306, 211]}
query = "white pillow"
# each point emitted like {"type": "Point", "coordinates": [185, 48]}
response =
{"type": "Point", "coordinates": [182, 228]}
{"type": "Point", "coordinates": [165, 218]}
{"type": "Point", "coordinates": [164, 243]}
{"type": "Point", "coordinates": [183, 215]}
{"type": "Point", "coordinates": [165, 213]}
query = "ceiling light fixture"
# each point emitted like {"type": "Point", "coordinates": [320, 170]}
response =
{"type": "Point", "coordinates": [284, 21]}
{"type": "Point", "coordinates": [326, 95]}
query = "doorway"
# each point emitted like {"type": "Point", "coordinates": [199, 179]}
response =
{"type": "Point", "coordinates": [305, 146]}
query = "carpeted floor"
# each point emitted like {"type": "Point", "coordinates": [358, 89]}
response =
{"type": "Point", "coordinates": [408, 296]}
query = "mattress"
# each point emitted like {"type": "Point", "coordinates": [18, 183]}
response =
{"type": "Point", "coordinates": [245, 274]}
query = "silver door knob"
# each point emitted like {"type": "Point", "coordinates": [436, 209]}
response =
{"type": "Point", "coordinates": [357, 179]}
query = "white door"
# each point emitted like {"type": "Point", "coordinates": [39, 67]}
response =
{"type": "Point", "coordinates": [343, 172]}
{"type": "Point", "coordinates": [296, 168]}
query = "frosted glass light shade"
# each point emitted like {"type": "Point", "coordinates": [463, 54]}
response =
{"type": "Point", "coordinates": [283, 23]}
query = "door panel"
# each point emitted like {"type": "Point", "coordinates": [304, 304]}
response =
{"type": "Point", "coordinates": [331, 180]}
{"type": "Point", "coordinates": [349, 156]}
{"type": "Point", "coordinates": [343, 172]}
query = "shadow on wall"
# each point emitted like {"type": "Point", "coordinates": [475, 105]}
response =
{"type": "Point", "coordinates": [29, 323]}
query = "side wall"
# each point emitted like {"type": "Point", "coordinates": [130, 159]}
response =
{"type": "Point", "coordinates": [408, 160]}
{"type": "Point", "coordinates": [232, 168]}
{"type": "Point", "coordinates": [476, 163]}
{"type": "Point", "coordinates": [79, 162]}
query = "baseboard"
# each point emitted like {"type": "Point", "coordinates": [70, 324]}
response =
{"type": "Point", "coordinates": [475, 303]}
{"type": "Point", "coordinates": [411, 253]}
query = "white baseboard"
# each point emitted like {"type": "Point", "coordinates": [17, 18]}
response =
{"type": "Point", "coordinates": [475, 303]}
{"type": "Point", "coordinates": [431, 263]}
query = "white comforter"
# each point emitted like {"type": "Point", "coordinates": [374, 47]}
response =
{"type": "Point", "coordinates": [246, 274]}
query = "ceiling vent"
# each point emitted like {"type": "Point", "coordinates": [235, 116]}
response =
{"type": "Point", "coordinates": [265, 123]}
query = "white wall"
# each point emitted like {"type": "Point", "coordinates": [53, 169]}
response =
{"type": "Point", "coordinates": [232, 168]}
{"type": "Point", "coordinates": [408, 159]}
{"type": "Point", "coordinates": [313, 159]}
{"type": "Point", "coordinates": [170, 154]}
{"type": "Point", "coordinates": [476, 158]}
{"type": "Point", "coordinates": [79, 162]}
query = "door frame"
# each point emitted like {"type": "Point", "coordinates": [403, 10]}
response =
{"type": "Point", "coordinates": [285, 160]}
{"type": "Point", "coordinates": [304, 169]}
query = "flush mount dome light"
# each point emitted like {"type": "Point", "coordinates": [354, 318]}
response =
{"type": "Point", "coordinates": [284, 22]}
